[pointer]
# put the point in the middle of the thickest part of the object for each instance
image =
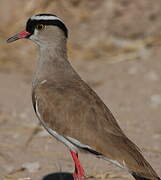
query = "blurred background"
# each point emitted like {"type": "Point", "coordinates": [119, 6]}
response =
{"type": "Point", "coordinates": [115, 45]}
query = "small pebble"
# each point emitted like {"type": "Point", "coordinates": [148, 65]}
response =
{"type": "Point", "coordinates": [132, 70]}
{"type": "Point", "coordinates": [31, 166]}
{"type": "Point", "coordinates": [155, 100]}
{"type": "Point", "coordinates": [152, 76]}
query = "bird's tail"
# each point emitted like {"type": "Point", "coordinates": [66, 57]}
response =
{"type": "Point", "coordinates": [139, 177]}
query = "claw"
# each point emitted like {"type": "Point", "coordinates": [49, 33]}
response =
{"type": "Point", "coordinates": [78, 176]}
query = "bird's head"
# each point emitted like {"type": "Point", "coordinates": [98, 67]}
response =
{"type": "Point", "coordinates": [43, 29]}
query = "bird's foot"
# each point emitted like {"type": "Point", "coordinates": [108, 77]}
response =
{"type": "Point", "coordinates": [79, 173]}
{"type": "Point", "coordinates": [77, 176]}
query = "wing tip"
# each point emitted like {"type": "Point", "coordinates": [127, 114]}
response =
{"type": "Point", "coordinates": [140, 177]}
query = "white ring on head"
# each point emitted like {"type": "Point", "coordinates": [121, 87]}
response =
{"type": "Point", "coordinates": [45, 18]}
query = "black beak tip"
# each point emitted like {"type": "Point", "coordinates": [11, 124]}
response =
{"type": "Point", "coordinates": [8, 40]}
{"type": "Point", "coordinates": [12, 39]}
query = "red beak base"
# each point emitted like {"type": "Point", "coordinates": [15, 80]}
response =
{"type": "Point", "coordinates": [21, 35]}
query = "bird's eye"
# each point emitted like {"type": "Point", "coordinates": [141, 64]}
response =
{"type": "Point", "coordinates": [40, 27]}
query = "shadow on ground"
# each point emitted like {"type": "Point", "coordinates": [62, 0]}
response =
{"type": "Point", "coordinates": [58, 176]}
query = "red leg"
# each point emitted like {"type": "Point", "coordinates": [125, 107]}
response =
{"type": "Point", "coordinates": [79, 171]}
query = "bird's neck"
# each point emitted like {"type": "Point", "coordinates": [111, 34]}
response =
{"type": "Point", "coordinates": [53, 64]}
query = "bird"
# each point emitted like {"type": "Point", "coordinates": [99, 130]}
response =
{"type": "Point", "coordinates": [70, 110]}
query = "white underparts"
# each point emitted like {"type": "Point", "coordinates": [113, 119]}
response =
{"type": "Point", "coordinates": [116, 163]}
{"type": "Point", "coordinates": [63, 140]}
{"type": "Point", "coordinates": [77, 143]}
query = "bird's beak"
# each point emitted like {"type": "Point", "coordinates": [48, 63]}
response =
{"type": "Point", "coordinates": [21, 35]}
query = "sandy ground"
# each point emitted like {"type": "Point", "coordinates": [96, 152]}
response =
{"type": "Point", "coordinates": [131, 89]}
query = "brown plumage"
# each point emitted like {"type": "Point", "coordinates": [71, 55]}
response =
{"type": "Point", "coordinates": [74, 109]}
{"type": "Point", "coordinates": [70, 110]}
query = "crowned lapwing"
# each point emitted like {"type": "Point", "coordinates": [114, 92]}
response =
{"type": "Point", "coordinates": [70, 110]}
